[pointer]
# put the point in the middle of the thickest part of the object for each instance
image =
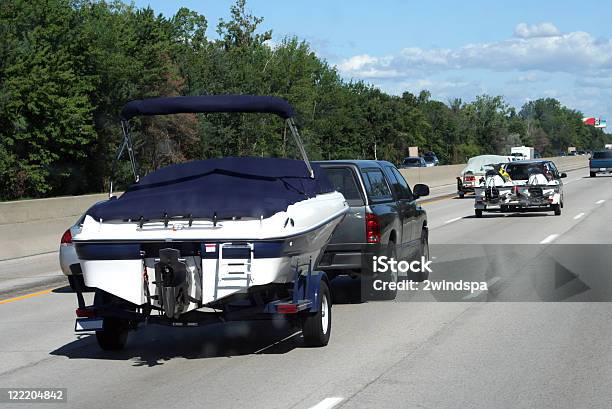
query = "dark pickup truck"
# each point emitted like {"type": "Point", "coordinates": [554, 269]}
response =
{"type": "Point", "coordinates": [384, 218]}
{"type": "Point", "coordinates": [600, 162]}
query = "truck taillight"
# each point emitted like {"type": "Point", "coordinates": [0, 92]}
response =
{"type": "Point", "coordinates": [469, 178]}
{"type": "Point", "coordinates": [372, 228]}
{"type": "Point", "coordinates": [66, 238]}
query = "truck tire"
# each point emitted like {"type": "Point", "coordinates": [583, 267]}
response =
{"type": "Point", "coordinates": [592, 174]}
{"type": "Point", "coordinates": [316, 328]}
{"type": "Point", "coordinates": [461, 195]}
{"type": "Point", "coordinates": [478, 213]}
{"type": "Point", "coordinates": [557, 209]}
{"type": "Point", "coordinates": [114, 334]}
{"type": "Point", "coordinates": [390, 277]}
{"type": "Point", "coordinates": [423, 252]}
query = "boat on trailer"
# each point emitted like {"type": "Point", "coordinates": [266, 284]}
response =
{"type": "Point", "coordinates": [210, 240]}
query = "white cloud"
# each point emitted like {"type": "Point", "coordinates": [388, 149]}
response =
{"type": "Point", "coordinates": [571, 52]}
{"type": "Point", "coordinates": [524, 30]}
{"type": "Point", "coordinates": [528, 77]}
{"type": "Point", "coordinates": [537, 61]}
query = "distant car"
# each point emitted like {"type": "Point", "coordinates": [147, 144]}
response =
{"type": "Point", "coordinates": [385, 218]}
{"type": "Point", "coordinates": [413, 162]}
{"type": "Point", "coordinates": [475, 170]}
{"type": "Point", "coordinates": [600, 162]}
{"type": "Point", "coordinates": [519, 155]}
{"type": "Point", "coordinates": [431, 159]}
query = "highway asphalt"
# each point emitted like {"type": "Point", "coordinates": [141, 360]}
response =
{"type": "Point", "coordinates": [416, 352]}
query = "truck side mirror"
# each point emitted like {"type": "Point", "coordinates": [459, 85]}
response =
{"type": "Point", "coordinates": [421, 190]}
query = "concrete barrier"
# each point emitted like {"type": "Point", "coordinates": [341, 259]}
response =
{"type": "Point", "coordinates": [30, 227]}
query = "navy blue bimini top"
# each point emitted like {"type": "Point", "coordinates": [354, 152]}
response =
{"type": "Point", "coordinates": [227, 187]}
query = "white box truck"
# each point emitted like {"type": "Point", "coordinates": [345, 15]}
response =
{"type": "Point", "coordinates": [522, 152]}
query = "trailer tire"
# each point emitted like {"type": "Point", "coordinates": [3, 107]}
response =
{"type": "Point", "coordinates": [461, 195]}
{"type": "Point", "coordinates": [316, 328]}
{"type": "Point", "coordinates": [592, 174]}
{"type": "Point", "coordinates": [557, 209]}
{"type": "Point", "coordinates": [478, 213]}
{"type": "Point", "coordinates": [114, 334]}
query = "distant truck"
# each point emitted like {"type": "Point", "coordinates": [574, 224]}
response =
{"type": "Point", "coordinates": [608, 146]}
{"type": "Point", "coordinates": [600, 162]}
{"type": "Point", "coordinates": [524, 152]}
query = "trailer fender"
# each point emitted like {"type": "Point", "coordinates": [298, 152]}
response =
{"type": "Point", "coordinates": [312, 285]}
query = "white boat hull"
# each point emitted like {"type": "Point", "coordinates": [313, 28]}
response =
{"type": "Point", "coordinates": [222, 258]}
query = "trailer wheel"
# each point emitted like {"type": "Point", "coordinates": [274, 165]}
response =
{"type": "Point", "coordinates": [316, 328]}
{"type": "Point", "coordinates": [557, 209]}
{"type": "Point", "coordinates": [478, 213]}
{"type": "Point", "coordinates": [114, 334]}
{"type": "Point", "coordinates": [461, 194]}
{"type": "Point", "coordinates": [592, 174]}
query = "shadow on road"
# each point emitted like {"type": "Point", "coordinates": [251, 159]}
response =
{"type": "Point", "coordinates": [156, 344]}
{"type": "Point", "coordinates": [518, 214]}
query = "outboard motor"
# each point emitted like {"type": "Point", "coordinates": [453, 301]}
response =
{"type": "Point", "coordinates": [171, 282]}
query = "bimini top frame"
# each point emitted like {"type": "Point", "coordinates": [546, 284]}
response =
{"type": "Point", "coordinates": [205, 104]}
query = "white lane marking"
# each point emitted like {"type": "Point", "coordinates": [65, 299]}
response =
{"type": "Point", "coordinates": [576, 180]}
{"type": "Point", "coordinates": [476, 294]}
{"type": "Point", "coordinates": [453, 220]}
{"type": "Point", "coordinates": [600, 201]}
{"type": "Point", "coordinates": [549, 239]}
{"type": "Point", "coordinates": [578, 216]}
{"type": "Point", "coordinates": [327, 403]}
{"type": "Point", "coordinates": [277, 342]}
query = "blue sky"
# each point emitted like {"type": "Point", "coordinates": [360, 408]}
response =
{"type": "Point", "coordinates": [521, 50]}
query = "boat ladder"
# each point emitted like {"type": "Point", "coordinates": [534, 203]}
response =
{"type": "Point", "coordinates": [234, 270]}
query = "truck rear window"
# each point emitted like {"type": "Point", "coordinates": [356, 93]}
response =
{"type": "Point", "coordinates": [376, 185]}
{"type": "Point", "coordinates": [343, 180]}
{"type": "Point", "coordinates": [602, 155]}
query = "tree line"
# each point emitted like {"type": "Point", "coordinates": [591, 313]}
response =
{"type": "Point", "coordinates": [68, 66]}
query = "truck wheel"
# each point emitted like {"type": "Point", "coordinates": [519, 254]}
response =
{"type": "Point", "coordinates": [557, 209]}
{"type": "Point", "coordinates": [423, 252]}
{"type": "Point", "coordinates": [592, 174]}
{"type": "Point", "coordinates": [390, 277]}
{"type": "Point", "coordinates": [478, 213]}
{"type": "Point", "coordinates": [114, 334]}
{"type": "Point", "coordinates": [316, 328]}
